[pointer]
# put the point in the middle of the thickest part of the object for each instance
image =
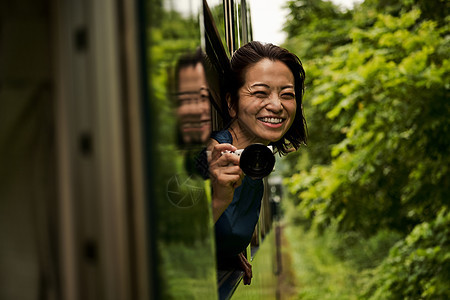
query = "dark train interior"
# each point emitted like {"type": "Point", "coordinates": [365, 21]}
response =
{"type": "Point", "coordinates": [99, 199]}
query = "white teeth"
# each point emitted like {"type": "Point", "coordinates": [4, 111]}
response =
{"type": "Point", "coordinates": [272, 120]}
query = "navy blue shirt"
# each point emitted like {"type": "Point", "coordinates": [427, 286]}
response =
{"type": "Point", "coordinates": [235, 227]}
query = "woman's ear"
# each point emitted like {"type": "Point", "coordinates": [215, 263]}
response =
{"type": "Point", "coordinates": [231, 110]}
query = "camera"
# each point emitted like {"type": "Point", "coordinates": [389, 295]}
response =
{"type": "Point", "coordinates": [256, 160]}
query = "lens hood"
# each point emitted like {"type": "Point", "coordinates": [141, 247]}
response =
{"type": "Point", "coordinates": [257, 161]}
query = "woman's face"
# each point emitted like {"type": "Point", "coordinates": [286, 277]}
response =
{"type": "Point", "coordinates": [267, 105]}
{"type": "Point", "coordinates": [193, 105]}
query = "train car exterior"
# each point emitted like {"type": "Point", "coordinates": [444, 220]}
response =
{"type": "Point", "coordinates": [101, 197]}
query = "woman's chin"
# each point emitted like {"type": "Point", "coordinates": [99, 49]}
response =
{"type": "Point", "coordinates": [266, 140]}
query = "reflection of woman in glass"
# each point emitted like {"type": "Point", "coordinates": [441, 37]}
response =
{"type": "Point", "coordinates": [265, 103]}
{"type": "Point", "coordinates": [193, 106]}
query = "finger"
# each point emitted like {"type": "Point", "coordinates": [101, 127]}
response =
{"type": "Point", "coordinates": [247, 280]}
{"type": "Point", "coordinates": [224, 161]}
{"type": "Point", "coordinates": [218, 168]}
{"type": "Point", "coordinates": [247, 270]}
{"type": "Point", "coordinates": [226, 179]}
{"type": "Point", "coordinates": [247, 263]}
{"type": "Point", "coordinates": [229, 170]}
{"type": "Point", "coordinates": [219, 148]}
{"type": "Point", "coordinates": [231, 158]}
{"type": "Point", "coordinates": [229, 175]}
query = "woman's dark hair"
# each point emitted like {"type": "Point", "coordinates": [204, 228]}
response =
{"type": "Point", "coordinates": [189, 59]}
{"type": "Point", "coordinates": [252, 53]}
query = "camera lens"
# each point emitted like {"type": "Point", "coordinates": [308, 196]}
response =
{"type": "Point", "coordinates": [257, 161]}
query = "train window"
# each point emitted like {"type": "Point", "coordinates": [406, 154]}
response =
{"type": "Point", "coordinates": [216, 8]}
{"type": "Point", "coordinates": [245, 27]}
{"type": "Point", "coordinates": [188, 47]}
{"type": "Point", "coordinates": [240, 23]}
{"type": "Point", "coordinates": [179, 122]}
{"type": "Point", "coordinates": [238, 30]}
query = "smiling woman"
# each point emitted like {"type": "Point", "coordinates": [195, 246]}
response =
{"type": "Point", "coordinates": [270, 79]}
{"type": "Point", "coordinates": [265, 106]}
{"type": "Point", "coordinates": [102, 131]}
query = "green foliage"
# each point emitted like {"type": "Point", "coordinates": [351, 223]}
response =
{"type": "Point", "coordinates": [386, 97]}
{"type": "Point", "coordinates": [314, 29]}
{"type": "Point", "coordinates": [377, 164]}
{"type": "Point", "coordinates": [436, 10]}
{"type": "Point", "coordinates": [418, 266]}
{"type": "Point", "coordinates": [323, 24]}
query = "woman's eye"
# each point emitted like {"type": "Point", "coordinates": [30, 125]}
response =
{"type": "Point", "coordinates": [288, 96]}
{"type": "Point", "coordinates": [204, 98]}
{"type": "Point", "coordinates": [260, 94]}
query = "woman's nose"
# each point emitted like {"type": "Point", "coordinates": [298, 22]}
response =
{"type": "Point", "coordinates": [274, 104]}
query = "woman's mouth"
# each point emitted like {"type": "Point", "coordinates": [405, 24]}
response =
{"type": "Point", "coordinates": [273, 122]}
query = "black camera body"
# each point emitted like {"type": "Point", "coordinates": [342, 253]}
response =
{"type": "Point", "coordinates": [256, 160]}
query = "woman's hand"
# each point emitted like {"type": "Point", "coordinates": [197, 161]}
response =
{"type": "Point", "coordinates": [246, 267]}
{"type": "Point", "coordinates": [225, 174]}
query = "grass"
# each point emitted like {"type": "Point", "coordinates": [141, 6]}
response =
{"type": "Point", "coordinates": [319, 274]}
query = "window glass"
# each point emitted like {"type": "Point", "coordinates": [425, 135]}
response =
{"type": "Point", "coordinates": [243, 28]}
{"type": "Point", "coordinates": [179, 119]}
{"type": "Point", "coordinates": [237, 23]}
{"type": "Point", "coordinates": [217, 11]}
